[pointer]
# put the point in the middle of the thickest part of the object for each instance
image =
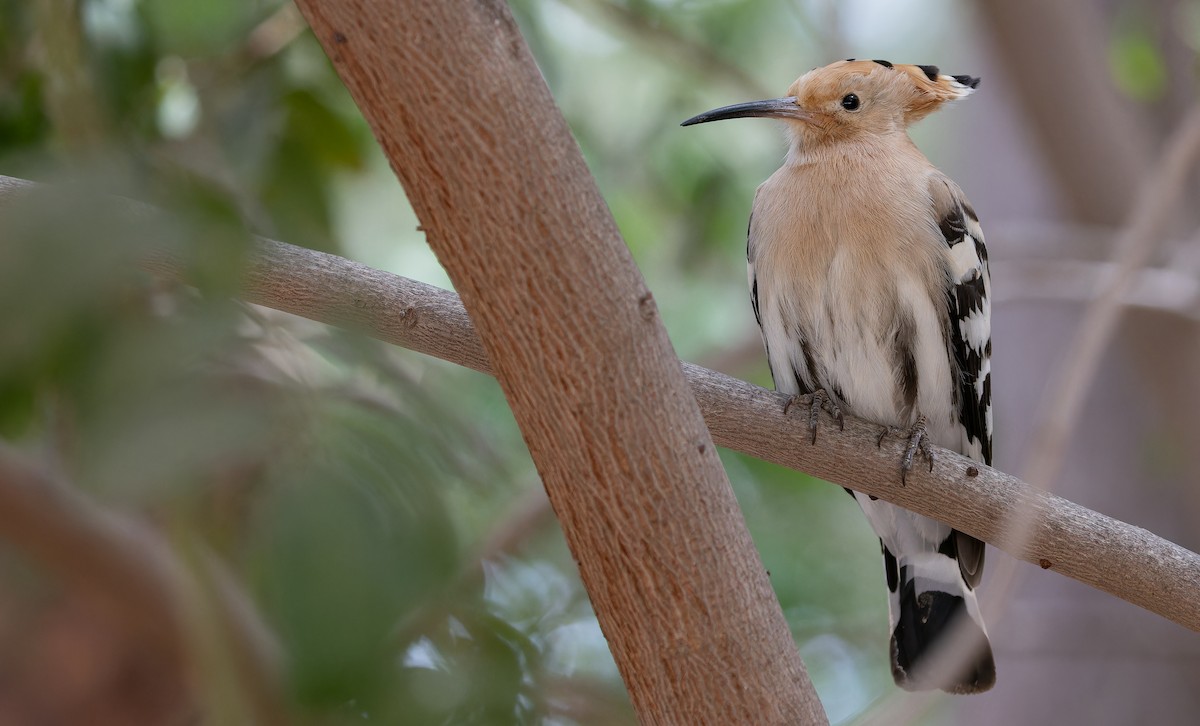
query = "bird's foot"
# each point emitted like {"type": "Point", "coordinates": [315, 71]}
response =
{"type": "Point", "coordinates": [918, 441]}
{"type": "Point", "coordinates": [816, 401]}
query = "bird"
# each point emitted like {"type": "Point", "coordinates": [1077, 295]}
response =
{"type": "Point", "coordinates": [869, 280]}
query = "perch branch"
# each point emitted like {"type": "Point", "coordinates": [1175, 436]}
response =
{"type": "Point", "coordinates": [1110, 555]}
{"type": "Point", "coordinates": [1107, 554]}
{"type": "Point", "coordinates": [1118, 558]}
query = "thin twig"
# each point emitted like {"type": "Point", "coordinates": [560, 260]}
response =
{"type": "Point", "coordinates": [273, 34]}
{"type": "Point", "coordinates": [1060, 414]}
{"type": "Point", "coordinates": [1158, 289]}
{"type": "Point", "coordinates": [696, 57]}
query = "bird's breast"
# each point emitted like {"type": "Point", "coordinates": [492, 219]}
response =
{"type": "Point", "coordinates": [849, 298]}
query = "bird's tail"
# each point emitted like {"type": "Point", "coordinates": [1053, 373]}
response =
{"type": "Point", "coordinates": [938, 636]}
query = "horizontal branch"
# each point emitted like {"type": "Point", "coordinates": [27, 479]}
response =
{"type": "Point", "coordinates": [1110, 555]}
{"type": "Point", "coordinates": [1121, 559]}
{"type": "Point", "coordinates": [1157, 289]}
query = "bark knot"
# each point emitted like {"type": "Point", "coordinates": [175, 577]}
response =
{"type": "Point", "coordinates": [646, 306]}
{"type": "Point", "coordinates": [410, 316]}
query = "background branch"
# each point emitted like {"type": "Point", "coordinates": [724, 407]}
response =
{"type": "Point", "coordinates": [1157, 289]}
{"type": "Point", "coordinates": [696, 58]}
{"type": "Point", "coordinates": [1148, 222]}
{"type": "Point", "coordinates": [129, 568]}
{"type": "Point", "coordinates": [1096, 170]}
{"type": "Point", "coordinates": [105, 553]}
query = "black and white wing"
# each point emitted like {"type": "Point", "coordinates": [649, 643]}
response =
{"type": "Point", "coordinates": [970, 315]}
{"type": "Point", "coordinates": [969, 340]}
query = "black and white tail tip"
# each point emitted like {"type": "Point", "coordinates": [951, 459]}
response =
{"type": "Point", "coordinates": [938, 637]}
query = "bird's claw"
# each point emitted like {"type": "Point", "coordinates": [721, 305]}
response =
{"type": "Point", "coordinates": [918, 441]}
{"type": "Point", "coordinates": [816, 401]}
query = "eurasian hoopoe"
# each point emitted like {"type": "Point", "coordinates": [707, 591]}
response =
{"type": "Point", "coordinates": [869, 279]}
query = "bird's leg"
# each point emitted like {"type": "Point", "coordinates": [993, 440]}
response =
{"type": "Point", "coordinates": [918, 440]}
{"type": "Point", "coordinates": [816, 401]}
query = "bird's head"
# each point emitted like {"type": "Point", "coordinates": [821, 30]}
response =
{"type": "Point", "coordinates": [850, 98]}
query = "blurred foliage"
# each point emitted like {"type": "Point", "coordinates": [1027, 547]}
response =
{"type": "Point", "coordinates": [328, 472]}
{"type": "Point", "coordinates": [352, 487]}
{"type": "Point", "coordinates": [1138, 64]}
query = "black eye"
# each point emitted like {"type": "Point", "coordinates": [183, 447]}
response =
{"type": "Point", "coordinates": [850, 102]}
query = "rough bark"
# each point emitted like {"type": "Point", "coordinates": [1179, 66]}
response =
{"type": "Point", "coordinates": [509, 207]}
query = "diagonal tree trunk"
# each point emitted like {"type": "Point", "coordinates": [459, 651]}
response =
{"type": "Point", "coordinates": [574, 337]}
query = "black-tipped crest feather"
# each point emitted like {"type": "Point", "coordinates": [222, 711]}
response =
{"type": "Point", "coordinates": [931, 72]}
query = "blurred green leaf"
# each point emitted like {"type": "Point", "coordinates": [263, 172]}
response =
{"type": "Point", "coordinates": [295, 191]}
{"type": "Point", "coordinates": [473, 673]}
{"type": "Point", "coordinates": [22, 122]}
{"type": "Point", "coordinates": [208, 233]}
{"type": "Point", "coordinates": [191, 27]}
{"type": "Point", "coordinates": [314, 126]}
{"type": "Point", "coordinates": [67, 265]}
{"type": "Point", "coordinates": [1137, 63]}
{"type": "Point", "coordinates": [353, 538]}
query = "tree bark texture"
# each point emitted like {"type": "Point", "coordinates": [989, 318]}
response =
{"type": "Point", "coordinates": [573, 335]}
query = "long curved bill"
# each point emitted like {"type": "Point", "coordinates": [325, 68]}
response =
{"type": "Point", "coordinates": [771, 108]}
